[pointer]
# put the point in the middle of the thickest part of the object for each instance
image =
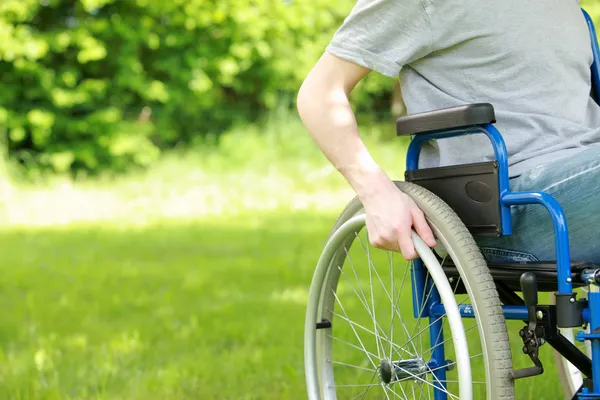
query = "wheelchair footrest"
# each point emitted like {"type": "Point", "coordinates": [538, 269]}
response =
{"type": "Point", "coordinates": [527, 372]}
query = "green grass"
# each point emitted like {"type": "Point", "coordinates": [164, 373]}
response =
{"type": "Point", "coordinates": [268, 167]}
{"type": "Point", "coordinates": [186, 281]}
{"type": "Point", "coordinates": [171, 311]}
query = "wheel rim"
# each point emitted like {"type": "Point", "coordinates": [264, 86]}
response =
{"type": "Point", "coordinates": [392, 356]}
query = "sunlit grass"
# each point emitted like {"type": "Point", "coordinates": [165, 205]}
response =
{"type": "Point", "coordinates": [593, 8]}
{"type": "Point", "coordinates": [186, 281]}
{"type": "Point", "coordinates": [256, 168]}
{"type": "Point", "coordinates": [173, 310]}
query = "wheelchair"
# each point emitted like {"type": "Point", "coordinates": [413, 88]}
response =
{"type": "Point", "coordinates": [437, 327]}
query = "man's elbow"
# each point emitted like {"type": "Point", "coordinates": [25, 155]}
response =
{"type": "Point", "coordinates": [317, 95]}
{"type": "Point", "coordinates": [303, 98]}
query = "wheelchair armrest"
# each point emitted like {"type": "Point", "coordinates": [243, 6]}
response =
{"type": "Point", "coordinates": [446, 118]}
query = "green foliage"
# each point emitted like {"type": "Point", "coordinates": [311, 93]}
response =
{"type": "Point", "coordinates": [87, 83]}
{"type": "Point", "coordinates": [593, 8]}
{"type": "Point", "coordinates": [94, 83]}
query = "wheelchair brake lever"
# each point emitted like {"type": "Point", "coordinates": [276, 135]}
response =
{"type": "Point", "coordinates": [530, 333]}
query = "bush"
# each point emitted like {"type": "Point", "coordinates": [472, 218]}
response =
{"type": "Point", "coordinates": [93, 83]}
{"type": "Point", "coordinates": [88, 84]}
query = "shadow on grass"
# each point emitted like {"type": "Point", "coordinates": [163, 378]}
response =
{"type": "Point", "coordinates": [198, 310]}
{"type": "Point", "coordinates": [173, 311]}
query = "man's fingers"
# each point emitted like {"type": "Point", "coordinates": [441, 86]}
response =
{"type": "Point", "coordinates": [381, 242]}
{"type": "Point", "coordinates": [422, 227]}
{"type": "Point", "coordinates": [407, 246]}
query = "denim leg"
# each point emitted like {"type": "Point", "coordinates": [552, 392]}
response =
{"type": "Point", "coordinates": [575, 183]}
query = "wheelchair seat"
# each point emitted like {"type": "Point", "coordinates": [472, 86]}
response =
{"type": "Point", "coordinates": [509, 274]}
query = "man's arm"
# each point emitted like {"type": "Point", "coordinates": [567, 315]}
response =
{"type": "Point", "coordinates": [325, 110]}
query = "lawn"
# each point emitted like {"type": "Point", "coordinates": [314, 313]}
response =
{"type": "Point", "coordinates": [170, 311]}
{"type": "Point", "coordinates": [188, 281]}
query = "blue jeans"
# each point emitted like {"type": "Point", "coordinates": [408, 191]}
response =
{"type": "Point", "coordinates": [575, 183]}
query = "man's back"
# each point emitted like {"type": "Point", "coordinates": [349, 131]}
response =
{"type": "Point", "coordinates": [531, 60]}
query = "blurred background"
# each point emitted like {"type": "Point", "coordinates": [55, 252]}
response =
{"type": "Point", "coordinates": [161, 206]}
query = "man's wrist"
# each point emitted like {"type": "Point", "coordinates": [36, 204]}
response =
{"type": "Point", "coordinates": [366, 177]}
{"type": "Point", "coordinates": [371, 184]}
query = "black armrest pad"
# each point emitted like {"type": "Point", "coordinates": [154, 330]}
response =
{"type": "Point", "coordinates": [446, 118]}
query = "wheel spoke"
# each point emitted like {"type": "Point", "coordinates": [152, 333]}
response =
{"type": "Point", "coordinates": [391, 336]}
{"type": "Point", "coordinates": [353, 330]}
{"type": "Point", "coordinates": [430, 324]}
{"type": "Point", "coordinates": [357, 385]}
{"type": "Point", "coordinates": [438, 381]}
{"type": "Point", "coordinates": [352, 366]}
{"type": "Point", "coordinates": [364, 303]}
{"type": "Point", "coordinates": [385, 392]}
{"type": "Point", "coordinates": [400, 386]}
{"type": "Point", "coordinates": [424, 300]}
{"type": "Point", "coordinates": [451, 364]}
{"type": "Point", "coordinates": [454, 291]}
{"type": "Point", "coordinates": [413, 392]}
{"type": "Point", "coordinates": [358, 326]}
{"type": "Point", "coordinates": [399, 314]}
{"type": "Point", "coordinates": [390, 297]}
{"type": "Point", "coordinates": [353, 346]}
{"type": "Point", "coordinates": [363, 299]}
{"type": "Point", "coordinates": [377, 341]}
{"type": "Point", "coordinates": [410, 335]}
{"type": "Point", "coordinates": [363, 394]}
{"type": "Point", "coordinates": [430, 350]}
{"type": "Point", "coordinates": [428, 383]}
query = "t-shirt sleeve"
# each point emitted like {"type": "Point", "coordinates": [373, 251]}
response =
{"type": "Point", "coordinates": [384, 35]}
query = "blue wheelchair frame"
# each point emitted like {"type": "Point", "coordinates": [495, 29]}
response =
{"type": "Point", "coordinates": [434, 310]}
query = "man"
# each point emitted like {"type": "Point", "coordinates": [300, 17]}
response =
{"type": "Point", "coordinates": [530, 59]}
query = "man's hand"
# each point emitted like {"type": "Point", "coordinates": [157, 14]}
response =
{"type": "Point", "coordinates": [391, 215]}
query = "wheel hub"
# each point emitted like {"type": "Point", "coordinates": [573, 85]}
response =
{"type": "Point", "coordinates": [385, 371]}
{"type": "Point", "coordinates": [390, 371]}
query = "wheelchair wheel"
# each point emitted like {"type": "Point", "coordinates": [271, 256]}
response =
{"type": "Point", "coordinates": [363, 339]}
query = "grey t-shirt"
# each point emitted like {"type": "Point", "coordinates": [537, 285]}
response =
{"type": "Point", "coordinates": [530, 59]}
